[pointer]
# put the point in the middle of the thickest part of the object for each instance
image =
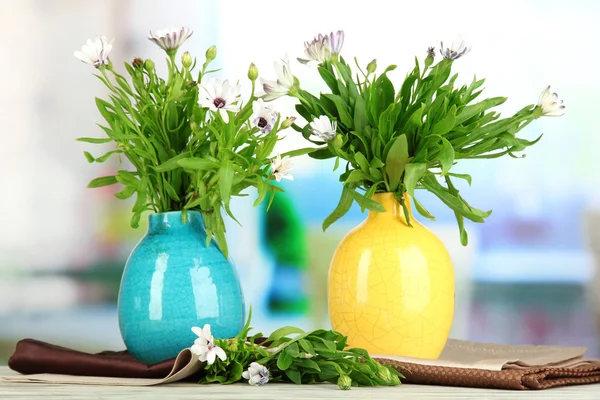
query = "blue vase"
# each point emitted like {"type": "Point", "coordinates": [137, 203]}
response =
{"type": "Point", "coordinates": [173, 281]}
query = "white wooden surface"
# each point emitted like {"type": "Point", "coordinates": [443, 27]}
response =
{"type": "Point", "coordinates": [185, 391]}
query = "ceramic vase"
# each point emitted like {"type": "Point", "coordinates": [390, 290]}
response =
{"type": "Point", "coordinates": [172, 281]}
{"type": "Point", "coordinates": [391, 286]}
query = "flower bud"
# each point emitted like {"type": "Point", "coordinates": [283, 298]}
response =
{"type": "Point", "coordinates": [211, 53]}
{"type": "Point", "coordinates": [137, 63]}
{"type": "Point", "coordinates": [287, 122]}
{"type": "Point", "coordinates": [149, 65]}
{"type": "Point", "coordinates": [194, 126]}
{"type": "Point", "coordinates": [344, 382]}
{"type": "Point", "coordinates": [232, 344]}
{"type": "Point", "coordinates": [372, 66]}
{"type": "Point", "coordinates": [186, 60]}
{"type": "Point", "coordinates": [337, 141]}
{"type": "Point", "coordinates": [252, 72]}
{"type": "Point", "coordinates": [384, 374]}
{"type": "Point", "coordinates": [430, 56]}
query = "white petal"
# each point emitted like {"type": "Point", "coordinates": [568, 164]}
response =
{"type": "Point", "coordinates": [210, 357]}
{"type": "Point", "coordinates": [224, 115]}
{"type": "Point", "coordinates": [206, 332]}
{"type": "Point", "coordinates": [197, 330]}
{"type": "Point", "coordinates": [254, 380]}
{"type": "Point", "coordinates": [245, 375]}
{"type": "Point", "coordinates": [82, 57]}
{"type": "Point", "coordinates": [220, 353]}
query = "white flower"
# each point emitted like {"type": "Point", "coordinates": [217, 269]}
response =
{"type": "Point", "coordinates": [336, 41]}
{"type": "Point", "coordinates": [279, 168]}
{"type": "Point", "coordinates": [257, 374]}
{"type": "Point", "coordinates": [204, 347]}
{"type": "Point", "coordinates": [322, 48]}
{"type": "Point", "coordinates": [457, 50]}
{"type": "Point", "coordinates": [264, 116]}
{"type": "Point", "coordinates": [323, 128]}
{"type": "Point", "coordinates": [550, 104]}
{"type": "Point", "coordinates": [220, 96]}
{"type": "Point", "coordinates": [170, 39]}
{"type": "Point", "coordinates": [316, 52]}
{"type": "Point", "coordinates": [281, 86]}
{"type": "Point", "coordinates": [95, 51]}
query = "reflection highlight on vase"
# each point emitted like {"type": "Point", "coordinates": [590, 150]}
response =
{"type": "Point", "coordinates": [156, 286]}
{"type": "Point", "coordinates": [203, 285]}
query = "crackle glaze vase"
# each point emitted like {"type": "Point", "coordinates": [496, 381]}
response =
{"type": "Point", "coordinates": [173, 281]}
{"type": "Point", "coordinates": [391, 286]}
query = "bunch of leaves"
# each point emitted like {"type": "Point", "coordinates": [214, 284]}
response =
{"type": "Point", "coordinates": [399, 140]}
{"type": "Point", "coordinates": [184, 157]}
{"type": "Point", "coordinates": [293, 355]}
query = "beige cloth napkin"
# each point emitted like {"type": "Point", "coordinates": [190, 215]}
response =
{"type": "Point", "coordinates": [497, 357]}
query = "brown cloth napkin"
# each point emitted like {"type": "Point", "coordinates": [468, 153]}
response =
{"type": "Point", "coordinates": [461, 364]}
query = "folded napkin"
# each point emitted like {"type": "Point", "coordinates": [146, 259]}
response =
{"type": "Point", "coordinates": [461, 363]}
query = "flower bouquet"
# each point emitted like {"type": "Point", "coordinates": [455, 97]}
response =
{"type": "Point", "coordinates": [186, 144]}
{"type": "Point", "coordinates": [192, 141]}
{"type": "Point", "coordinates": [391, 283]}
{"type": "Point", "coordinates": [399, 140]}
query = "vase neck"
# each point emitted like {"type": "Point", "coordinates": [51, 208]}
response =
{"type": "Point", "coordinates": [173, 221]}
{"type": "Point", "coordinates": [392, 206]}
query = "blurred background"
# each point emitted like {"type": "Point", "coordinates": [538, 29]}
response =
{"type": "Point", "coordinates": [528, 276]}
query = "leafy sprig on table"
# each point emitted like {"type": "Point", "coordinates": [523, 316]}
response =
{"type": "Point", "coordinates": [293, 355]}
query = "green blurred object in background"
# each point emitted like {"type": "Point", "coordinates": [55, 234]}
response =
{"type": "Point", "coordinates": [285, 238]}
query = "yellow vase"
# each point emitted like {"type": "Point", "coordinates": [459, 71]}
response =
{"type": "Point", "coordinates": [391, 287]}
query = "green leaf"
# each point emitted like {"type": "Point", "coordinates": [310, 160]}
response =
{"type": "Point", "coordinates": [306, 346]}
{"type": "Point", "coordinates": [329, 79]}
{"type": "Point", "coordinates": [360, 115]}
{"type": "Point", "coordinates": [416, 119]}
{"type": "Point", "coordinates": [283, 332]}
{"type": "Point", "coordinates": [382, 96]}
{"type": "Point", "coordinates": [127, 178]}
{"type": "Point", "coordinates": [94, 140]}
{"type": "Point", "coordinates": [299, 152]}
{"type": "Point", "coordinates": [102, 181]}
{"type": "Point", "coordinates": [170, 190]}
{"type": "Point", "coordinates": [421, 210]}
{"type": "Point", "coordinates": [366, 203]}
{"type": "Point", "coordinates": [126, 193]}
{"type": "Point", "coordinates": [446, 124]}
{"type": "Point", "coordinates": [466, 177]}
{"type": "Point", "coordinates": [356, 175]}
{"type": "Point", "coordinates": [342, 208]}
{"type": "Point", "coordinates": [226, 181]}
{"type": "Point", "coordinates": [342, 110]}
{"type": "Point", "coordinates": [172, 163]}
{"type": "Point", "coordinates": [361, 161]}
{"type": "Point", "coordinates": [292, 349]}
{"type": "Point", "coordinates": [89, 156]}
{"type": "Point", "coordinates": [396, 160]}
{"type": "Point", "coordinates": [294, 375]}
{"type": "Point", "coordinates": [446, 156]}
{"type": "Point", "coordinates": [455, 203]}
{"type": "Point", "coordinates": [412, 174]}
{"type": "Point", "coordinates": [284, 360]}
{"type": "Point", "coordinates": [198, 164]}
{"type": "Point", "coordinates": [106, 156]}
{"type": "Point", "coordinates": [309, 364]}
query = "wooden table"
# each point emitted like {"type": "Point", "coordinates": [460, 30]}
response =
{"type": "Point", "coordinates": [185, 391]}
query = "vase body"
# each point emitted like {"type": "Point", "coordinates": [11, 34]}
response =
{"type": "Point", "coordinates": [173, 281]}
{"type": "Point", "coordinates": [391, 286]}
